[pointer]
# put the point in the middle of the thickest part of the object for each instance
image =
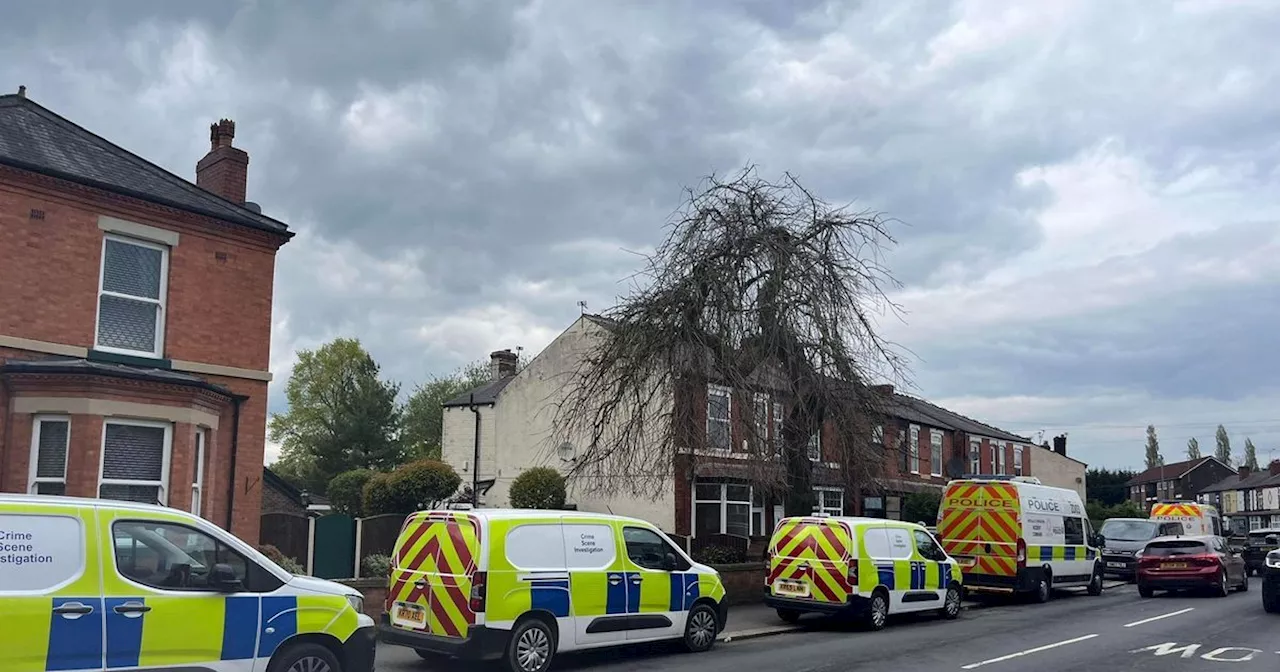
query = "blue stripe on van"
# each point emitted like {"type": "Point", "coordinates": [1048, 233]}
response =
{"type": "Point", "coordinates": [1070, 553]}
{"type": "Point", "coordinates": [633, 592]}
{"type": "Point", "coordinates": [684, 590]}
{"type": "Point", "coordinates": [551, 595]}
{"type": "Point", "coordinates": [124, 634]}
{"type": "Point", "coordinates": [1046, 553]}
{"type": "Point", "coordinates": [616, 602]}
{"type": "Point", "coordinates": [240, 628]}
{"type": "Point", "coordinates": [886, 575]}
{"type": "Point", "coordinates": [280, 614]}
{"type": "Point", "coordinates": [75, 644]}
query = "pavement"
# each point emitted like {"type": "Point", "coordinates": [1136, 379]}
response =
{"type": "Point", "coordinates": [1073, 632]}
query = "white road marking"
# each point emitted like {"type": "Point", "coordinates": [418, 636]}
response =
{"type": "Point", "coordinates": [1156, 618]}
{"type": "Point", "coordinates": [1019, 654]}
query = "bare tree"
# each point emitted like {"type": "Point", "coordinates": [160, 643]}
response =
{"type": "Point", "coordinates": [763, 289]}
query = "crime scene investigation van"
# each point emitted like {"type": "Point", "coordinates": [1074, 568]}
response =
{"type": "Point", "coordinates": [863, 567]}
{"type": "Point", "coordinates": [522, 586]}
{"type": "Point", "coordinates": [91, 584]}
{"type": "Point", "coordinates": [1196, 518]}
{"type": "Point", "coordinates": [1014, 535]}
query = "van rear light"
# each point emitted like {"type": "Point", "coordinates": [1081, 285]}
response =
{"type": "Point", "coordinates": [1022, 553]}
{"type": "Point", "coordinates": [853, 576]}
{"type": "Point", "coordinates": [478, 585]}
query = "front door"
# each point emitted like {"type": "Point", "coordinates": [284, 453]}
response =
{"type": "Point", "coordinates": [163, 612]}
{"type": "Point", "coordinates": [51, 618]}
{"type": "Point", "coordinates": [649, 580]}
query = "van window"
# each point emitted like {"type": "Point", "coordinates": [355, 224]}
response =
{"type": "Point", "coordinates": [928, 548]}
{"type": "Point", "coordinates": [39, 553]}
{"type": "Point", "coordinates": [589, 546]}
{"type": "Point", "coordinates": [1073, 530]}
{"type": "Point", "coordinates": [1171, 529]}
{"type": "Point", "coordinates": [875, 542]}
{"type": "Point", "coordinates": [647, 549]}
{"type": "Point", "coordinates": [899, 543]}
{"type": "Point", "coordinates": [170, 556]}
{"type": "Point", "coordinates": [536, 546]}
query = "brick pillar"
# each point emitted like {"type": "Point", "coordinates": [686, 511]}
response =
{"type": "Point", "coordinates": [181, 460]}
{"type": "Point", "coordinates": [17, 452]}
{"type": "Point", "coordinates": [84, 455]}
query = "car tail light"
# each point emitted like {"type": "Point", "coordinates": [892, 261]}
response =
{"type": "Point", "coordinates": [1022, 553]}
{"type": "Point", "coordinates": [478, 585]}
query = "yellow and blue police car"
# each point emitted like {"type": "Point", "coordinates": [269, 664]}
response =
{"type": "Point", "coordinates": [88, 584]}
{"type": "Point", "coordinates": [524, 585]}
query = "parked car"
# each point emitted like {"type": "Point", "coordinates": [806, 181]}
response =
{"type": "Point", "coordinates": [1198, 562]}
{"type": "Point", "coordinates": [1124, 537]}
{"type": "Point", "coordinates": [1256, 547]}
{"type": "Point", "coordinates": [1271, 579]}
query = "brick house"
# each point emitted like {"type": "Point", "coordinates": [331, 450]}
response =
{"type": "Point", "coordinates": [1248, 499]}
{"type": "Point", "coordinates": [1180, 480]}
{"type": "Point", "coordinates": [713, 483]}
{"type": "Point", "coordinates": [135, 321]}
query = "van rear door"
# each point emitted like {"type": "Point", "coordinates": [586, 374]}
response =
{"type": "Point", "coordinates": [809, 559]}
{"type": "Point", "coordinates": [980, 527]}
{"type": "Point", "coordinates": [435, 568]}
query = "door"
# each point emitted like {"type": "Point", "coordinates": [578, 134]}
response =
{"type": "Point", "coordinates": [160, 580]}
{"type": "Point", "coordinates": [52, 604]}
{"type": "Point", "coordinates": [436, 558]}
{"type": "Point", "coordinates": [907, 570]}
{"type": "Point", "coordinates": [655, 579]}
{"type": "Point", "coordinates": [1231, 560]}
{"type": "Point", "coordinates": [597, 581]}
{"type": "Point", "coordinates": [937, 570]}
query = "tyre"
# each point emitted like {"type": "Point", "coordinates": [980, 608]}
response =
{"type": "Point", "coordinates": [531, 648]}
{"type": "Point", "coordinates": [701, 628]}
{"type": "Point", "coordinates": [877, 615]}
{"type": "Point", "coordinates": [1145, 591]}
{"type": "Point", "coordinates": [1043, 590]}
{"type": "Point", "coordinates": [1270, 599]}
{"type": "Point", "coordinates": [1095, 585]}
{"type": "Point", "coordinates": [790, 616]}
{"type": "Point", "coordinates": [1244, 585]}
{"type": "Point", "coordinates": [951, 604]}
{"type": "Point", "coordinates": [308, 657]}
{"type": "Point", "coordinates": [1223, 588]}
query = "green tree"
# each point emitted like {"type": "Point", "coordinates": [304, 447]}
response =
{"type": "Point", "coordinates": [341, 415]}
{"type": "Point", "coordinates": [346, 491]}
{"type": "Point", "coordinates": [921, 507]}
{"type": "Point", "coordinates": [422, 423]}
{"type": "Point", "coordinates": [538, 488]}
{"type": "Point", "coordinates": [1223, 451]}
{"type": "Point", "coordinates": [1107, 486]}
{"type": "Point", "coordinates": [1154, 459]}
{"type": "Point", "coordinates": [1193, 449]}
{"type": "Point", "coordinates": [1250, 454]}
{"type": "Point", "coordinates": [416, 486]}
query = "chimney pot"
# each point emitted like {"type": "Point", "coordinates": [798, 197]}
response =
{"type": "Point", "coordinates": [225, 169]}
{"type": "Point", "coordinates": [1244, 472]}
{"type": "Point", "coordinates": [22, 91]}
{"type": "Point", "coordinates": [1060, 444]}
{"type": "Point", "coordinates": [502, 363]}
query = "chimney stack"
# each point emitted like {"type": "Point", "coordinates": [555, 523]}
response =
{"type": "Point", "coordinates": [1060, 445]}
{"type": "Point", "coordinates": [1274, 468]}
{"type": "Point", "coordinates": [502, 363]}
{"type": "Point", "coordinates": [1245, 471]}
{"type": "Point", "coordinates": [225, 169]}
{"type": "Point", "coordinates": [886, 390]}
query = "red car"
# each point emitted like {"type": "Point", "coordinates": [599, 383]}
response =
{"type": "Point", "coordinates": [1190, 563]}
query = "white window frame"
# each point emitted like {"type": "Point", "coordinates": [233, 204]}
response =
{"type": "Point", "coordinates": [161, 303]}
{"type": "Point", "coordinates": [727, 393]}
{"type": "Point", "coordinates": [197, 488]}
{"type": "Point", "coordinates": [815, 445]}
{"type": "Point", "coordinates": [32, 479]}
{"type": "Point", "coordinates": [975, 456]}
{"type": "Point", "coordinates": [1017, 460]}
{"type": "Point", "coordinates": [166, 455]}
{"type": "Point", "coordinates": [820, 507]}
{"type": "Point", "coordinates": [877, 436]}
{"type": "Point", "coordinates": [760, 421]}
{"type": "Point", "coordinates": [935, 452]}
{"type": "Point", "coordinates": [724, 503]}
{"type": "Point", "coordinates": [913, 437]}
{"type": "Point", "coordinates": [1001, 447]}
{"type": "Point", "coordinates": [778, 419]}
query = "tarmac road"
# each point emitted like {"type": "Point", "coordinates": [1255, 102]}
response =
{"type": "Point", "coordinates": [1073, 632]}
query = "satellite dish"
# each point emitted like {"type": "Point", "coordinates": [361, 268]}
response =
{"type": "Point", "coordinates": [955, 467]}
{"type": "Point", "coordinates": [565, 451]}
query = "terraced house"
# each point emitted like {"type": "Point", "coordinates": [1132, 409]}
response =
{"type": "Point", "coordinates": [714, 486]}
{"type": "Point", "coordinates": [1248, 499]}
{"type": "Point", "coordinates": [135, 321]}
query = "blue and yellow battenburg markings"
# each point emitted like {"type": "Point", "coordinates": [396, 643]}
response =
{"type": "Point", "coordinates": [916, 573]}
{"type": "Point", "coordinates": [1048, 553]}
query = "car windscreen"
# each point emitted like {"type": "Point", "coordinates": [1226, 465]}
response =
{"type": "Point", "coordinates": [1169, 549]}
{"type": "Point", "coordinates": [1129, 530]}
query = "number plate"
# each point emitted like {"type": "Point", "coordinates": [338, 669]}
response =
{"type": "Point", "coordinates": [788, 588]}
{"type": "Point", "coordinates": [965, 561]}
{"type": "Point", "coordinates": [410, 615]}
{"type": "Point", "coordinates": [1173, 565]}
{"type": "Point", "coordinates": [1115, 564]}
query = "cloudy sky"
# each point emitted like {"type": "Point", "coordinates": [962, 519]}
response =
{"type": "Point", "coordinates": [1088, 188]}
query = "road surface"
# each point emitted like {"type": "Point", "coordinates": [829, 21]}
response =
{"type": "Point", "coordinates": [1117, 631]}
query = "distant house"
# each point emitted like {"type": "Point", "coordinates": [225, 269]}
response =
{"type": "Point", "coordinates": [280, 496]}
{"type": "Point", "coordinates": [1247, 499]}
{"type": "Point", "coordinates": [713, 488]}
{"type": "Point", "coordinates": [1180, 480]}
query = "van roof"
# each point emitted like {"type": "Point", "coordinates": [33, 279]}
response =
{"type": "Point", "coordinates": [508, 514]}
{"type": "Point", "coordinates": [63, 500]}
{"type": "Point", "coordinates": [862, 520]}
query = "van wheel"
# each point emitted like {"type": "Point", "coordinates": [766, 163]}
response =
{"type": "Point", "coordinates": [877, 615]}
{"type": "Point", "coordinates": [304, 657]}
{"type": "Point", "coordinates": [1095, 584]}
{"type": "Point", "coordinates": [951, 604]}
{"type": "Point", "coordinates": [531, 647]}
{"type": "Point", "coordinates": [700, 629]}
{"type": "Point", "coordinates": [790, 616]}
{"type": "Point", "coordinates": [1043, 590]}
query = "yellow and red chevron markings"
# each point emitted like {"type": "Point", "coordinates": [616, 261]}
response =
{"type": "Point", "coordinates": [439, 548]}
{"type": "Point", "coordinates": [816, 550]}
{"type": "Point", "coordinates": [981, 515]}
{"type": "Point", "coordinates": [1175, 510]}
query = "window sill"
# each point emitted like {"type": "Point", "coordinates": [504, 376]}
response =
{"type": "Point", "coordinates": [129, 360]}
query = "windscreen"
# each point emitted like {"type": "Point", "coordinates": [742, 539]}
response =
{"type": "Point", "coordinates": [1129, 530]}
{"type": "Point", "coordinates": [1170, 549]}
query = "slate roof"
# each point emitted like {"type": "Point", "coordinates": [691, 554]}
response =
{"type": "Point", "coordinates": [485, 394]}
{"type": "Point", "coordinates": [1169, 471]}
{"type": "Point", "coordinates": [86, 367]}
{"type": "Point", "coordinates": [1257, 479]}
{"type": "Point", "coordinates": [939, 416]}
{"type": "Point", "coordinates": [35, 139]}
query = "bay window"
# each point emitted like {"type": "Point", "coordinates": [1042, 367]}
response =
{"type": "Point", "coordinates": [135, 461]}
{"type": "Point", "coordinates": [50, 436]}
{"type": "Point", "coordinates": [722, 508]}
{"type": "Point", "coordinates": [828, 502]}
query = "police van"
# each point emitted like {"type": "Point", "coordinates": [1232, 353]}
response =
{"type": "Point", "coordinates": [1015, 535]}
{"type": "Point", "coordinates": [89, 584]}
{"type": "Point", "coordinates": [864, 567]}
{"type": "Point", "coordinates": [522, 586]}
{"type": "Point", "coordinates": [1194, 517]}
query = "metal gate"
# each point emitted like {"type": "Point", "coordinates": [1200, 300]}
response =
{"type": "Point", "coordinates": [334, 548]}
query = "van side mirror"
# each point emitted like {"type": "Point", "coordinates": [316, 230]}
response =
{"type": "Point", "coordinates": [223, 579]}
{"type": "Point", "coordinates": [1099, 541]}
